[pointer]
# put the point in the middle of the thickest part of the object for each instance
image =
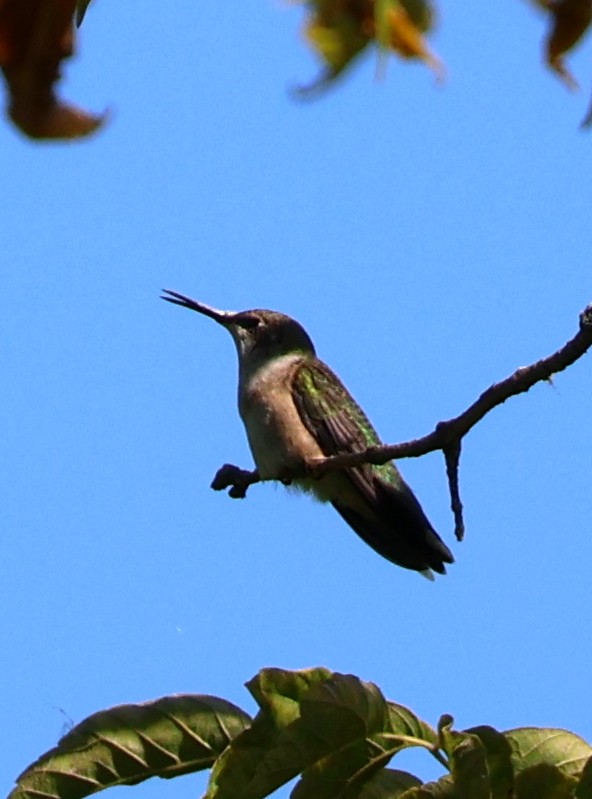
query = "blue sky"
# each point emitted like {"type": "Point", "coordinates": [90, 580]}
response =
{"type": "Point", "coordinates": [430, 239]}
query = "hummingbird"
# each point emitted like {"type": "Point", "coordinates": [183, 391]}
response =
{"type": "Point", "coordinates": [296, 410]}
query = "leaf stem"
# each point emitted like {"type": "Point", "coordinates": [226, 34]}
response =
{"type": "Point", "coordinates": [410, 740]}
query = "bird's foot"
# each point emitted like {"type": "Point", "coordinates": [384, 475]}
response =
{"type": "Point", "coordinates": [235, 479]}
{"type": "Point", "coordinates": [315, 468]}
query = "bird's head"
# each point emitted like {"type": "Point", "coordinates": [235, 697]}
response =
{"type": "Point", "coordinates": [258, 334]}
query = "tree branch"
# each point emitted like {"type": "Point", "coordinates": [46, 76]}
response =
{"type": "Point", "coordinates": [235, 479]}
{"type": "Point", "coordinates": [446, 436]}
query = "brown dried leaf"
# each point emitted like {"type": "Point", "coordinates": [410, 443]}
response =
{"type": "Point", "coordinates": [571, 19]}
{"type": "Point", "coordinates": [35, 37]}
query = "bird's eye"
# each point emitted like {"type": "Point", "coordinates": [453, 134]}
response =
{"type": "Point", "coordinates": [250, 322]}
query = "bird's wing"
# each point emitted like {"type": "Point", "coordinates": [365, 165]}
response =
{"type": "Point", "coordinates": [393, 522]}
{"type": "Point", "coordinates": [329, 411]}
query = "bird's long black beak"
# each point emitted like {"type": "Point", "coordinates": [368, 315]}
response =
{"type": "Point", "coordinates": [222, 317]}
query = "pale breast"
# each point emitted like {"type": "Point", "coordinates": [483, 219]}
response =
{"type": "Point", "coordinates": [277, 436]}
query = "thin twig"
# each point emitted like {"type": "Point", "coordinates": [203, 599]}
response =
{"type": "Point", "coordinates": [452, 458]}
{"type": "Point", "coordinates": [411, 740]}
{"type": "Point", "coordinates": [452, 431]}
{"type": "Point", "coordinates": [446, 436]}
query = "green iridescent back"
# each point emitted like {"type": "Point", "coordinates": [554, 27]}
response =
{"type": "Point", "coordinates": [333, 417]}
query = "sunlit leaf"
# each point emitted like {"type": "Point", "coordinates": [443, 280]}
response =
{"type": "Point", "coordinates": [334, 729]}
{"type": "Point", "coordinates": [279, 692]}
{"type": "Point", "coordinates": [270, 752]}
{"type": "Point", "coordinates": [127, 744]}
{"type": "Point", "coordinates": [532, 746]}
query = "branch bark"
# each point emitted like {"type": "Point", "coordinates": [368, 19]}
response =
{"type": "Point", "coordinates": [447, 435]}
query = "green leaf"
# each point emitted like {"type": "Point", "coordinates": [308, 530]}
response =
{"type": "Point", "coordinates": [443, 788]}
{"type": "Point", "coordinates": [420, 12]}
{"type": "Point", "coordinates": [81, 6]}
{"type": "Point", "coordinates": [533, 745]}
{"type": "Point", "coordinates": [279, 692]}
{"type": "Point", "coordinates": [334, 729]}
{"type": "Point", "coordinates": [381, 24]}
{"type": "Point", "coordinates": [467, 759]}
{"type": "Point", "coordinates": [544, 782]}
{"type": "Point", "coordinates": [388, 784]}
{"type": "Point", "coordinates": [469, 768]}
{"type": "Point", "coordinates": [127, 744]}
{"type": "Point", "coordinates": [584, 789]}
{"type": "Point", "coordinates": [342, 773]}
{"type": "Point", "coordinates": [344, 709]}
{"type": "Point", "coordinates": [269, 753]}
{"type": "Point", "coordinates": [363, 733]}
{"type": "Point", "coordinates": [404, 722]}
{"type": "Point", "coordinates": [338, 43]}
{"type": "Point", "coordinates": [499, 760]}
